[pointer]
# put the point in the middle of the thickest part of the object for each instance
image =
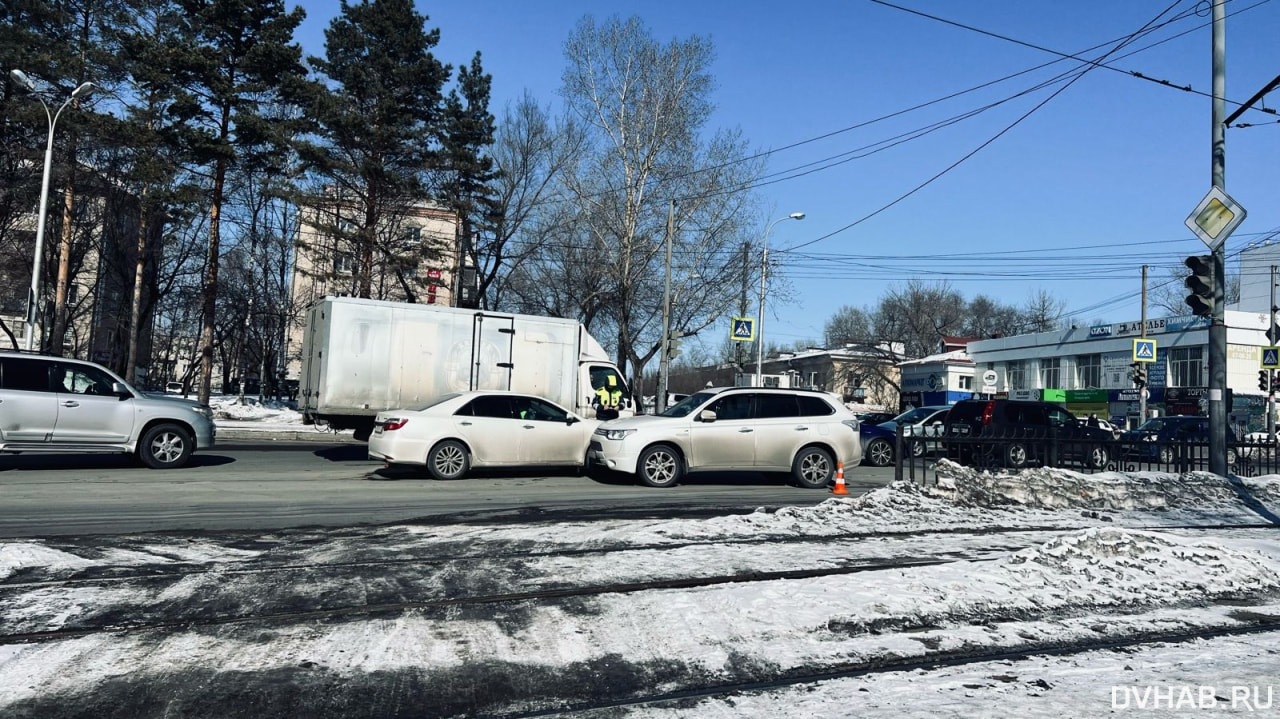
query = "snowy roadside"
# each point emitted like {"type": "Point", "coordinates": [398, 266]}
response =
{"type": "Point", "coordinates": [1104, 572]}
{"type": "Point", "coordinates": [265, 418]}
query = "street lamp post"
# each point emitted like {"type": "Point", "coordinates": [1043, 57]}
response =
{"type": "Point", "coordinates": [33, 298]}
{"type": "Point", "coordinates": [764, 271]}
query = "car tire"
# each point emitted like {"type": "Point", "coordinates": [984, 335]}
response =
{"type": "Point", "coordinates": [660, 466]}
{"type": "Point", "coordinates": [1232, 457]}
{"type": "Point", "coordinates": [879, 452]}
{"type": "Point", "coordinates": [1015, 455]}
{"type": "Point", "coordinates": [813, 468]}
{"type": "Point", "coordinates": [1097, 457]}
{"type": "Point", "coordinates": [448, 460]}
{"type": "Point", "coordinates": [917, 448]}
{"type": "Point", "coordinates": [1165, 455]}
{"type": "Point", "coordinates": [165, 446]}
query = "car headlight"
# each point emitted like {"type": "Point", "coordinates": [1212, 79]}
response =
{"type": "Point", "coordinates": [204, 410]}
{"type": "Point", "coordinates": [615, 433]}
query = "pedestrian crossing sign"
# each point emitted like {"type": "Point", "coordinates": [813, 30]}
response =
{"type": "Point", "coordinates": [1144, 350]}
{"type": "Point", "coordinates": [743, 330]}
{"type": "Point", "coordinates": [1271, 358]}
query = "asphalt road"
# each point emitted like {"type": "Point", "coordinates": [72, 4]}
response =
{"type": "Point", "coordinates": [265, 484]}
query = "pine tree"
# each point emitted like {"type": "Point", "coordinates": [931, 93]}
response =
{"type": "Point", "coordinates": [469, 170]}
{"type": "Point", "coordinates": [379, 113]}
{"type": "Point", "coordinates": [240, 58]}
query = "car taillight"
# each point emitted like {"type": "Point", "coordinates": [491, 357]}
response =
{"type": "Point", "coordinates": [395, 423]}
{"type": "Point", "coordinates": [987, 412]}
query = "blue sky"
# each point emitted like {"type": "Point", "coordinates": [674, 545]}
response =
{"type": "Point", "coordinates": [1073, 199]}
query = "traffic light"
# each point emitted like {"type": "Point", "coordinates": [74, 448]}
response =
{"type": "Point", "coordinates": [1139, 375]}
{"type": "Point", "coordinates": [673, 344]}
{"type": "Point", "coordinates": [1200, 282]}
{"type": "Point", "coordinates": [1264, 380]}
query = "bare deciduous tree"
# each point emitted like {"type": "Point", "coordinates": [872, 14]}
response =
{"type": "Point", "coordinates": [644, 106]}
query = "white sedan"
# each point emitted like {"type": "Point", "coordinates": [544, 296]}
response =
{"type": "Point", "coordinates": [481, 429]}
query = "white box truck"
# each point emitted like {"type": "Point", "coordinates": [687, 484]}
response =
{"type": "Point", "coordinates": [362, 356]}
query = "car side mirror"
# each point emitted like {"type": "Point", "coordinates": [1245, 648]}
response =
{"type": "Point", "coordinates": [706, 415]}
{"type": "Point", "coordinates": [572, 419]}
{"type": "Point", "coordinates": [118, 389]}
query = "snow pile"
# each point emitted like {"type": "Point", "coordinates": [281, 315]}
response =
{"type": "Point", "coordinates": [1112, 565]}
{"type": "Point", "coordinates": [1098, 569]}
{"type": "Point", "coordinates": [1056, 488]}
{"type": "Point", "coordinates": [20, 555]}
{"type": "Point", "coordinates": [228, 407]}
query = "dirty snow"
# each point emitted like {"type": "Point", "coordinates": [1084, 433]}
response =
{"type": "Point", "coordinates": [1098, 565]}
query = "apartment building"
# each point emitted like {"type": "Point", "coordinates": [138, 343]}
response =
{"type": "Point", "coordinates": [415, 259]}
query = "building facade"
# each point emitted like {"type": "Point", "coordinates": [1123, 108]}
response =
{"type": "Point", "coordinates": [416, 256]}
{"type": "Point", "coordinates": [1089, 369]}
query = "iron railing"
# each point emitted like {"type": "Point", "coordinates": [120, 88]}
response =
{"type": "Point", "coordinates": [1011, 451]}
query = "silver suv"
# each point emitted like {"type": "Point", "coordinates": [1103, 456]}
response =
{"type": "Point", "coordinates": [62, 405]}
{"type": "Point", "coordinates": [803, 432]}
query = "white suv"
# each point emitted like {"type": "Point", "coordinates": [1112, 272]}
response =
{"type": "Point", "coordinates": [804, 432]}
{"type": "Point", "coordinates": [59, 405]}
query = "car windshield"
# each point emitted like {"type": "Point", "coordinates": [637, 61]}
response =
{"type": "Point", "coordinates": [911, 416]}
{"type": "Point", "coordinates": [1156, 424]}
{"type": "Point", "coordinates": [687, 405]}
{"type": "Point", "coordinates": [434, 402]}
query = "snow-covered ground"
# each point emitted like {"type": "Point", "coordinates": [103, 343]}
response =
{"type": "Point", "coordinates": [1112, 556]}
{"type": "Point", "coordinates": [253, 415]}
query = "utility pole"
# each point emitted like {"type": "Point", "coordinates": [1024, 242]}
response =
{"type": "Point", "coordinates": [1218, 327]}
{"type": "Point", "coordinates": [1271, 387]}
{"type": "Point", "coordinates": [742, 306]}
{"type": "Point", "coordinates": [664, 364]}
{"type": "Point", "coordinates": [1142, 391]}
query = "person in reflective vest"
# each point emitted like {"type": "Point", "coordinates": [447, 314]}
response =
{"type": "Point", "coordinates": [608, 399]}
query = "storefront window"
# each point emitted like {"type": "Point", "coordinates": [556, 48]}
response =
{"type": "Point", "coordinates": [1051, 373]}
{"type": "Point", "coordinates": [1186, 367]}
{"type": "Point", "coordinates": [1088, 371]}
{"type": "Point", "coordinates": [1016, 374]}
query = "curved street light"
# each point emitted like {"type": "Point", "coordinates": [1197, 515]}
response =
{"type": "Point", "coordinates": [764, 270]}
{"type": "Point", "coordinates": [20, 78]}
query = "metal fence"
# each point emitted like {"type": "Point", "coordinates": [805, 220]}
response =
{"type": "Point", "coordinates": [916, 457]}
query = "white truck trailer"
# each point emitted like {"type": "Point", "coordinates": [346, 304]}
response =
{"type": "Point", "coordinates": [362, 356]}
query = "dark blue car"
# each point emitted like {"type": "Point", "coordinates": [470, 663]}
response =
{"type": "Point", "coordinates": [1159, 438]}
{"type": "Point", "coordinates": [877, 445]}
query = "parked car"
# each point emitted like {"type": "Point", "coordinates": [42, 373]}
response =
{"type": "Point", "coordinates": [1158, 438]}
{"type": "Point", "coordinates": [878, 445]}
{"type": "Point", "coordinates": [920, 422]}
{"type": "Point", "coordinates": [803, 432]}
{"type": "Point", "coordinates": [874, 418]}
{"type": "Point", "coordinates": [59, 405]}
{"type": "Point", "coordinates": [1014, 433]}
{"type": "Point", "coordinates": [457, 432]}
{"type": "Point", "coordinates": [1096, 421]}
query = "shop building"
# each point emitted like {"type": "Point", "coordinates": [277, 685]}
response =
{"type": "Point", "coordinates": [1089, 369]}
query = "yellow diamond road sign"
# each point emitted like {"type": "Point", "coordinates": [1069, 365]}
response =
{"type": "Point", "coordinates": [1215, 218]}
{"type": "Point", "coordinates": [743, 329]}
{"type": "Point", "coordinates": [1144, 350]}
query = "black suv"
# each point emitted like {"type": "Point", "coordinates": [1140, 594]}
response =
{"type": "Point", "coordinates": [1015, 433]}
{"type": "Point", "coordinates": [1169, 438]}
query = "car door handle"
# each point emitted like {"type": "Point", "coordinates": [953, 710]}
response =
{"type": "Point", "coordinates": [528, 426]}
{"type": "Point", "coordinates": [71, 403]}
{"type": "Point", "coordinates": [801, 428]}
{"type": "Point", "coordinates": [745, 430]}
{"type": "Point", "coordinates": [465, 424]}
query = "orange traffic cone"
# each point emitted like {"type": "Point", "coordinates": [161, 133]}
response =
{"type": "Point", "coordinates": [839, 488]}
